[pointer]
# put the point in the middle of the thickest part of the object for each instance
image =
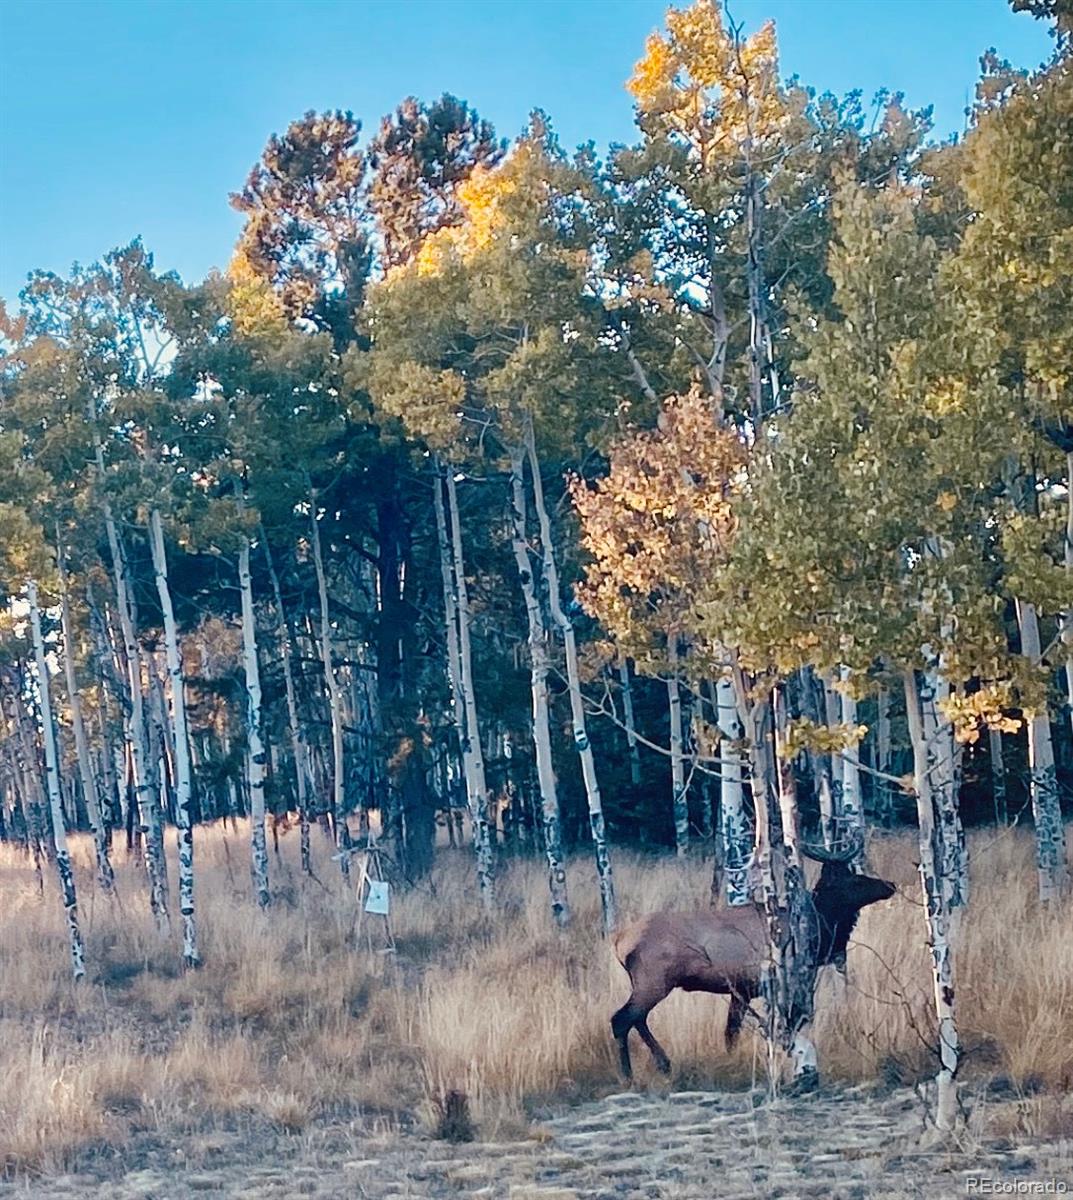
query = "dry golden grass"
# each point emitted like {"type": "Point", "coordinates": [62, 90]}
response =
{"type": "Point", "coordinates": [293, 1022]}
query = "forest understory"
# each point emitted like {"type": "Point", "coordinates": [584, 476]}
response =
{"type": "Point", "coordinates": [303, 1059]}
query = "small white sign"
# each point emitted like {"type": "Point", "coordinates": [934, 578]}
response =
{"type": "Point", "coordinates": [378, 900]}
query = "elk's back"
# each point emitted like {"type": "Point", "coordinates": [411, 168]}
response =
{"type": "Point", "coordinates": [710, 951]}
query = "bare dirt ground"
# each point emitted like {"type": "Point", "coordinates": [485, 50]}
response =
{"type": "Point", "coordinates": [844, 1144]}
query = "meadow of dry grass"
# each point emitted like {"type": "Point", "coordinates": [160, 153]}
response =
{"type": "Point", "coordinates": [293, 1022]}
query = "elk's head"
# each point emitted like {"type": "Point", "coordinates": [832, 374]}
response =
{"type": "Point", "coordinates": [839, 895]}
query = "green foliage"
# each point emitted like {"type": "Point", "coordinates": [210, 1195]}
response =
{"type": "Point", "coordinates": [420, 157]}
{"type": "Point", "coordinates": [493, 322]}
{"type": "Point", "coordinates": [866, 536]}
{"type": "Point", "coordinates": [306, 232]}
{"type": "Point", "coordinates": [723, 134]}
{"type": "Point", "coordinates": [903, 481]}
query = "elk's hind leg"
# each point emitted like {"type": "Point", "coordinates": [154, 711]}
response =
{"type": "Point", "coordinates": [739, 1003]}
{"type": "Point", "coordinates": [663, 1063]}
{"type": "Point", "coordinates": [633, 1015]}
{"type": "Point", "coordinates": [621, 1024]}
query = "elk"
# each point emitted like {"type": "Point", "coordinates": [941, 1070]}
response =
{"type": "Point", "coordinates": [723, 951]}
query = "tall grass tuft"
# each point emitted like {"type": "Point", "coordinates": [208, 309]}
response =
{"type": "Point", "coordinates": [293, 1021]}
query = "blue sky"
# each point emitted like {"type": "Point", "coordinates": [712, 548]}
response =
{"type": "Point", "coordinates": [126, 117]}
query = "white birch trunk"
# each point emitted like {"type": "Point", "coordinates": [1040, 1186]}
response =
{"type": "Point", "coordinates": [180, 741]}
{"type": "Point", "coordinates": [786, 788]}
{"type": "Point", "coordinates": [774, 985]}
{"type": "Point", "coordinates": [1067, 616]}
{"type": "Point", "coordinates": [944, 764]}
{"type": "Point", "coordinates": [29, 781]}
{"type": "Point", "coordinates": [938, 891]}
{"type": "Point", "coordinates": [800, 963]}
{"type": "Point", "coordinates": [755, 282]}
{"type": "Point", "coordinates": [158, 773]}
{"type": "Point", "coordinates": [733, 821]}
{"type": "Point", "coordinates": [826, 800]}
{"type": "Point", "coordinates": [106, 759]}
{"type": "Point", "coordinates": [298, 744]}
{"type": "Point", "coordinates": [697, 741]}
{"type": "Point", "coordinates": [52, 781]}
{"type": "Point", "coordinates": [146, 803]}
{"type": "Point", "coordinates": [473, 755]}
{"type": "Point", "coordinates": [538, 674]}
{"type": "Point", "coordinates": [831, 787]}
{"type": "Point", "coordinates": [998, 775]}
{"type": "Point", "coordinates": [944, 779]}
{"type": "Point", "coordinates": [630, 720]}
{"type": "Point", "coordinates": [883, 755]}
{"type": "Point", "coordinates": [1046, 808]}
{"type": "Point", "coordinates": [256, 757]}
{"type": "Point", "coordinates": [604, 873]}
{"type": "Point", "coordinates": [113, 751]}
{"type": "Point", "coordinates": [789, 970]}
{"type": "Point", "coordinates": [852, 814]}
{"type": "Point", "coordinates": [28, 769]}
{"type": "Point", "coordinates": [679, 798]}
{"type": "Point", "coordinates": [105, 874]}
{"type": "Point", "coordinates": [470, 781]}
{"type": "Point", "coordinates": [454, 656]}
{"type": "Point", "coordinates": [335, 700]}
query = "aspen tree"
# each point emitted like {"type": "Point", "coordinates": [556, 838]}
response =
{"type": "Point", "coordinates": [184, 776]}
{"type": "Point", "coordinates": [105, 873]}
{"type": "Point", "coordinates": [145, 803]}
{"type": "Point", "coordinates": [148, 306]}
{"type": "Point", "coordinates": [460, 669]}
{"type": "Point", "coordinates": [503, 209]}
{"type": "Point", "coordinates": [299, 749]}
{"type": "Point", "coordinates": [483, 829]}
{"type": "Point", "coordinates": [852, 800]}
{"type": "Point", "coordinates": [878, 558]}
{"type": "Point", "coordinates": [716, 118]}
{"type": "Point", "coordinates": [1017, 357]}
{"type": "Point", "coordinates": [52, 780]}
{"type": "Point", "coordinates": [335, 699]}
{"type": "Point", "coordinates": [538, 660]}
{"type": "Point", "coordinates": [937, 899]}
{"type": "Point", "coordinates": [77, 360]}
{"type": "Point", "coordinates": [1067, 558]}
{"type": "Point", "coordinates": [629, 720]}
{"type": "Point", "coordinates": [1043, 781]}
{"type": "Point", "coordinates": [734, 824]}
{"type": "Point", "coordinates": [256, 754]}
{"type": "Point", "coordinates": [883, 754]}
{"type": "Point", "coordinates": [577, 709]}
{"type": "Point", "coordinates": [679, 800]}
{"type": "Point", "coordinates": [653, 534]}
